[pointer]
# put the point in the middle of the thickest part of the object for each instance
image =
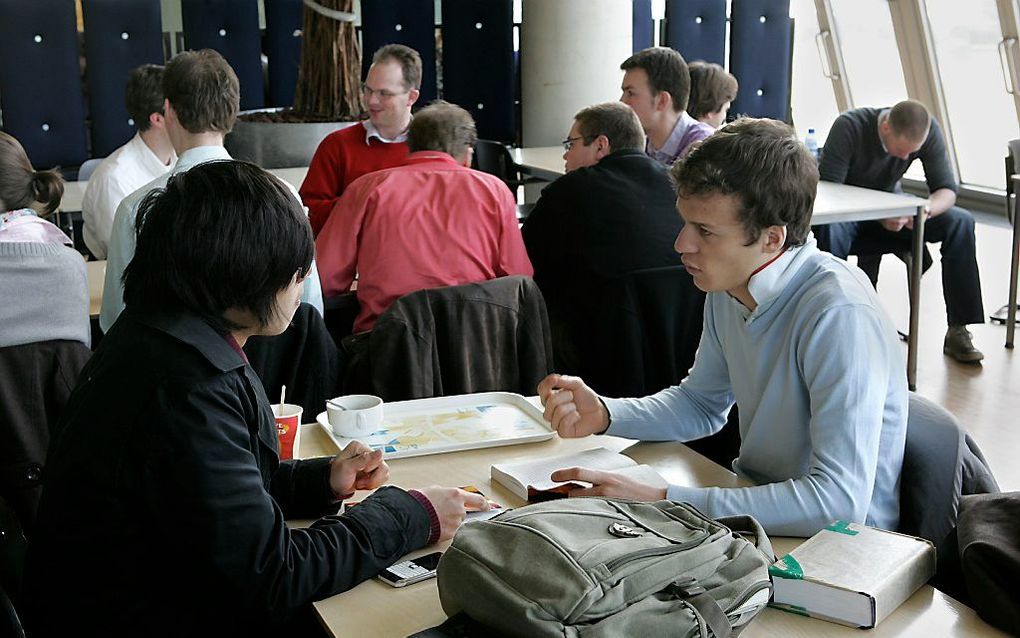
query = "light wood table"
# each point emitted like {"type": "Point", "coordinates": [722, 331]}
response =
{"type": "Point", "coordinates": [375, 609]}
{"type": "Point", "coordinates": [74, 192]}
{"type": "Point", "coordinates": [96, 273]}
{"type": "Point", "coordinates": [833, 203]}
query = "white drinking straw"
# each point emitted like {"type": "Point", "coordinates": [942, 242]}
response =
{"type": "Point", "coordinates": [283, 394]}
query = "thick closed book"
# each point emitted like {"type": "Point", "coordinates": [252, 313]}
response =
{"type": "Point", "coordinates": [530, 479]}
{"type": "Point", "coordinates": [851, 574]}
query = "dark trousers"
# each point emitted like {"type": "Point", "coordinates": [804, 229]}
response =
{"type": "Point", "coordinates": [954, 229]}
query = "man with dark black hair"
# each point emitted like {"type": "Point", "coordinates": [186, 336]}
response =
{"type": "Point", "coordinates": [166, 501]}
{"type": "Point", "coordinates": [147, 156]}
{"type": "Point", "coordinates": [873, 148]}
{"type": "Point", "coordinates": [202, 101]}
{"type": "Point", "coordinates": [657, 85]}
{"type": "Point", "coordinates": [796, 338]}
{"type": "Point", "coordinates": [617, 205]}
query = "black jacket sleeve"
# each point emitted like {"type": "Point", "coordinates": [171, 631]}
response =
{"type": "Point", "coordinates": [938, 172]}
{"type": "Point", "coordinates": [839, 149]}
{"type": "Point", "coordinates": [204, 480]}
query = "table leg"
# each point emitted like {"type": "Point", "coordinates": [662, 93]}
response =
{"type": "Point", "coordinates": [915, 297]}
{"type": "Point", "coordinates": [1014, 262]}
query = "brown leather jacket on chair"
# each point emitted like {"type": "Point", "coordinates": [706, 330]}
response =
{"type": "Point", "coordinates": [35, 381]}
{"type": "Point", "coordinates": [481, 337]}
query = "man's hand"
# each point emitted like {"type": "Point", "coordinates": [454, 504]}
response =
{"type": "Point", "coordinates": [896, 224]}
{"type": "Point", "coordinates": [927, 214]}
{"type": "Point", "coordinates": [608, 484]}
{"type": "Point", "coordinates": [357, 467]}
{"type": "Point", "coordinates": [573, 409]}
{"type": "Point", "coordinates": [451, 505]}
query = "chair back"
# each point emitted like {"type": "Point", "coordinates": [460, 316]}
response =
{"type": "Point", "coordinates": [494, 158]}
{"type": "Point", "coordinates": [303, 358]}
{"type": "Point", "coordinates": [88, 167]}
{"type": "Point", "coordinates": [940, 464]}
{"type": "Point", "coordinates": [480, 337]}
{"type": "Point", "coordinates": [36, 380]}
{"type": "Point", "coordinates": [646, 338]}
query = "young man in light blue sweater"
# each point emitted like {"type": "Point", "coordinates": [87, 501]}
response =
{"type": "Point", "coordinates": [795, 337]}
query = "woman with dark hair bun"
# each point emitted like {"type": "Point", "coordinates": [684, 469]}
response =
{"type": "Point", "coordinates": [165, 502]}
{"type": "Point", "coordinates": [38, 267]}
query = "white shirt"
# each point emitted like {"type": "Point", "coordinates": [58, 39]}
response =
{"type": "Point", "coordinates": [122, 172]}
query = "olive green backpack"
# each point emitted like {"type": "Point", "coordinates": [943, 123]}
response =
{"type": "Point", "coordinates": [600, 567]}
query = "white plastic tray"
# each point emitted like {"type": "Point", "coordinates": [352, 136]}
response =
{"type": "Point", "coordinates": [450, 424]}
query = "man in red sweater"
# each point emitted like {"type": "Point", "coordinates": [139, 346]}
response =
{"type": "Point", "coordinates": [389, 91]}
{"type": "Point", "coordinates": [428, 223]}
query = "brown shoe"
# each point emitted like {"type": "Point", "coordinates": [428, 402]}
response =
{"type": "Point", "coordinates": [958, 345]}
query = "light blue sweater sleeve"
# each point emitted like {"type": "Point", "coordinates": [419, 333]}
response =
{"type": "Point", "coordinates": [846, 366]}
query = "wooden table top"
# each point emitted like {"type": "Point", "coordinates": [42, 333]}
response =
{"type": "Point", "coordinates": [375, 609]}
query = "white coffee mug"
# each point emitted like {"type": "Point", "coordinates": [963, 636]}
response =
{"type": "Point", "coordinates": [355, 415]}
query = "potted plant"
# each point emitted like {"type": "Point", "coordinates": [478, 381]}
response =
{"type": "Point", "coordinates": [327, 95]}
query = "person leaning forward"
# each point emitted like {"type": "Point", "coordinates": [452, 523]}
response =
{"type": "Point", "coordinates": [165, 502]}
{"type": "Point", "coordinates": [794, 336]}
{"type": "Point", "coordinates": [873, 148]}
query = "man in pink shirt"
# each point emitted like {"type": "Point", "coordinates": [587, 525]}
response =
{"type": "Point", "coordinates": [430, 222]}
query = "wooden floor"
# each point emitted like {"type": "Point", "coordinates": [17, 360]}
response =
{"type": "Point", "coordinates": [984, 397]}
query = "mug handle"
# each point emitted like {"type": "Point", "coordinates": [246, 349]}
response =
{"type": "Point", "coordinates": [361, 421]}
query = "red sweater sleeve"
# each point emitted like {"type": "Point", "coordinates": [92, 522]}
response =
{"type": "Point", "coordinates": [325, 180]}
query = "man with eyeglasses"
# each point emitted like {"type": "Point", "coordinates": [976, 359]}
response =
{"type": "Point", "coordinates": [616, 205]}
{"type": "Point", "coordinates": [388, 93]}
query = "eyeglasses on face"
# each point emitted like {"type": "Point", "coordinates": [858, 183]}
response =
{"type": "Point", "coordinates": [569, 142]}
{"type": "Point", "coordinates": [383, 94]}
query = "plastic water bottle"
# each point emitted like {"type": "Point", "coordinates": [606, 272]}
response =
{"type": "Point", "coordinates": [811, 142]}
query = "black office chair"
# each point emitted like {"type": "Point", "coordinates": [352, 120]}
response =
{"type": "Point", "coordinates": [494, 158]}
{"type": "Point", "coordinates": [941, 464]}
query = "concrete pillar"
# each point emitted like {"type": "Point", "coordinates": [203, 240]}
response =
{"type": "Point", "coordinates": [571, 52]}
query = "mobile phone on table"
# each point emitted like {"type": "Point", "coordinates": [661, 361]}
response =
{"type": "Point", "coordinates": [411, 571]}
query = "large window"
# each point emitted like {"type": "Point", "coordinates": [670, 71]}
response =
{"type": "Point", "coordinates": [814, 105]}
{"type": "Point", "coordinates": [983, 117]}
{"type": "Point", "coordinates": [868, 43]}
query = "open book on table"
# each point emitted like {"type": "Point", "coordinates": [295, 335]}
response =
{"type": "Point", "coordinates": [530, 479]}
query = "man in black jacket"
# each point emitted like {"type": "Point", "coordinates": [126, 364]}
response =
{"type": "Point", "coordinates": [165, 502]}
{"type": "Point", "coordinates": [612, 213]}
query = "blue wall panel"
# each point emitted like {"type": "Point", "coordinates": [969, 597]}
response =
{"type": "Point", "coordinates": [40, 81]}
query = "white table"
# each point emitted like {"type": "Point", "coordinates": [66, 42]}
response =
{"type": "Point", "coordinates": [375, 609]}
{"type": "Point", "coordinates": [74, 192]}
{"type": "Point", "coordinates": [833, 203]}
{"type": "Point", "coordinates": [96, 274]}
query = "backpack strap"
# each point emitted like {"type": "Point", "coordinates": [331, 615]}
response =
{"type": "Point", "coordinates": [713, 615]}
